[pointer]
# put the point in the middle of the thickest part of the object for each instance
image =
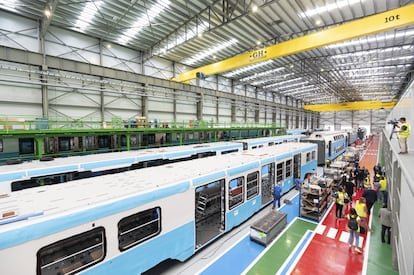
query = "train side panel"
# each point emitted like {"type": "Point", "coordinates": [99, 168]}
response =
{"type": "Point", "coordinates": [176, 239]}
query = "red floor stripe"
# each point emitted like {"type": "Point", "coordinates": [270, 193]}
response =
{"type": "Point", "coordinates": [331, 256]}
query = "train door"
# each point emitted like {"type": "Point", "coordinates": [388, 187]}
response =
{"type": "Point", "coordinates": [297, 162]}
{"type": "Point", "coordinates": [209, 212]}
{"type": "Point", "coordinates": [267, 181]}
{"type": "Point", "coordinates": [329, 156]}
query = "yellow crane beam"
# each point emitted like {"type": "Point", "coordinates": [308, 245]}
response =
{"type": "Point", "coordinates": [377, 23]}
{"type": "Point", "coordinates": [351, 106]}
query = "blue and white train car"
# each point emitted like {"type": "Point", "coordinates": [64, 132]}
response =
{"type": "Point", "coordinates": [38, 173]}
{"type": "Point", "coordinates": [129, 222]}
{"type": "Point", "coordinates": [352, 136]}
{"type": "Point", "coordinates": [330, 144]}
{"type": "Point", "coordinates": [254, 143]}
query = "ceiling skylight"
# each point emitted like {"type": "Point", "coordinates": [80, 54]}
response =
{"type": "Point", "coordinates": [330, 7]}
{"type": "Point", "coordinates": [143, 21]}
{"type": "Point", "coordinates": [202, 27]}
{"type": "Point", "coordinates": [371, 39]}
{"type": "Point", "coordinates": [247, 68]}
{"type": "Point", "coordinates": [210, 52]}
{"type": "Point", "coordinates": [8, 5]}
{"type": "Point", "coordinates": [88, 13]}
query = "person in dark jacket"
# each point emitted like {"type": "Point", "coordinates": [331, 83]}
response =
{"type": "Point", "coordinates": [370, 196]}
{"type": "Point", "coordinates": [277, 192]}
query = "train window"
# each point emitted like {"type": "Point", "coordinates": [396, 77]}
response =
{"type": "Point", "coordinates": [313, 155]}
{"type": "Point", "coordinates": [279, 171]}
{"type": "Point", "coordinates": [308, 156]}
{"type": "Point", "coordinates": [26, 145]}
{"type": "Point", "coordinates": [64, 143]}
{"type": "Point", "coordinates": [271, 144]}
{"type": "Point", "coordinates": [73, 254]}
{"type": "Point", "coordinates": [103, 141]}
{"type": "Point", "coordinates": [252, 184]}
{"type": "Point", "coordinates": [236, 192]}
{"type": "Point", "coordinates": [139, 227]}
{"type": "Point", "coordinates": [288, 168]}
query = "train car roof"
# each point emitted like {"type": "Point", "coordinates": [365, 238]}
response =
{"type": "Point", "coordinates": [323, 134]}
{"type": "Point", "coordinates": [106, 161]}
{"type": "Point", "coordinates": [271, 139]}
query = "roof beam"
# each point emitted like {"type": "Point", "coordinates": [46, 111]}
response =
{"type": "Point", "coordinates": [351, 106]}
{"type": "Point", "coordinates": [51, 7]}
{"type": "Point", "coordinates": [377, 23]}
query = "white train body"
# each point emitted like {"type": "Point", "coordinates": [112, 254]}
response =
{"type": "Point", "coordinates": [36, 173]}
{"type": "Point", "coordinates": [330, 144]}
{"type": "Point", "coordinates": [127, 223]}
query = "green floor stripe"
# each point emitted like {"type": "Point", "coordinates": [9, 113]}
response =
{"type": "Point", "coordinates": [380, 257]}
{"type": "Point", "coordinates": [274, 258]}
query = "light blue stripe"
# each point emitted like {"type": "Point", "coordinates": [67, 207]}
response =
{"type": "Point", "coordinates": [244, 168]}
{"type": "Point", "coordinates": [242, 212]}
{"type": "Point", "coordinates": [267, 161]}
{"type": "Point", "coordinates": [150, 157]}
{"type": "Point", "coordinates": [107, 163]}
{"type": "Point", "coordinates": [43, 228]}
{"type": "Point", "coordinates": [209, 178]}
{"type": "Point", "coordinates": [175, 155]}
{"type": "Point", "coordinates": [293, 258]}
{"type": "Point", "coordinates": [12, 176]}
{"type": "Point", "coordinates": [52, 170]}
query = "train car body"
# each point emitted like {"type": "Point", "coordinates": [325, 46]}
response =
{"type": "Point", "coordinates": [129, 222]}
{"type": "Point", "coordinates": [330, 144]}
{"type": "Point", "coordinates": [38, 172]}
{"type": "Point", "coordinates": [352, 136]}
{"type": "Point", "coordinates": [254, 143]}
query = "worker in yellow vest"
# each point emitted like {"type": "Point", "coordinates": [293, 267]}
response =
{"type": "Point", "coordinates": [383, 190]}
{"type": "Point", "coordinates": [403, 135]}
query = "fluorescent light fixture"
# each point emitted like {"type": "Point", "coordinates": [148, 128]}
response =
{"type": "Point", "coordinates": [371, 39]}
{"type": "Point", "coordinates": [283, 83]}
{"type": "Point", "coordinates": [330, 7]}
{"type": "Point", "coordinates": [210, 52]}
{"type": "Point", "coordinates": [143, 20]}
{"type": "Point", "coordinates": [263, 74]}
{"type": "Point", "coordinates": [202, 27]}
{"type": "Point", "coordinates": [88, 13]}
{"type": "Point", "coordinates": [8, 5]}
{"type": "Point", "coordinates": [247, 68]}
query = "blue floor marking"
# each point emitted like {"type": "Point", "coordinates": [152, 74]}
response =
{"type": "Point", "coordinates": [239, 257]}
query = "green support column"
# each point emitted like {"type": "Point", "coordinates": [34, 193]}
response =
{"type": "Point", "coordinates": [39, 147]}
{"type": "Point", "coordinates": [128, 142]}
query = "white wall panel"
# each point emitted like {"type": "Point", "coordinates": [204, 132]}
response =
{"type": "Point", "coordinates": [239, 90]}
{"type": "Point", "coordinates": [121, 58]}
{"type": "Point", "coordinates": [261, 95]}
{"type": "Point", "coordinates": [18, 32]}
{"type": "Point", "coordinates": [209, 83]}
{"type": "Point", "coordinates": [209, 106]}
{"type": "Point", "coordinates": [224, 84]}
{"type": "Point", "coordinates": [72, 45]}
{"type": "Point", "coordinates": [158, 67]}
{"type": "Point", "coordinates": [224, 111]}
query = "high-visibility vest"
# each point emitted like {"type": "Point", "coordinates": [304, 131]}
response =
{"type": "Point", "coordinates": [360, 209]}
{"type": "Point", "coordinates": [404, 133]}
{"type": "Point", "coordinates": [383, 184]}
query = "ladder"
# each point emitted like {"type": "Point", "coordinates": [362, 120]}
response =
{"type": "Point", "coordinates": [202, 203]}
